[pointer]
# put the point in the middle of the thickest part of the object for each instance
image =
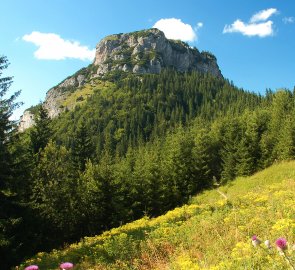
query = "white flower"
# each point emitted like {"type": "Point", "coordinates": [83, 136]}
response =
{"type": "Point", "coordinates": [267, 243]}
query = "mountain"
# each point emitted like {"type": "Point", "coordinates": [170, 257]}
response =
{"type": "Point", "coordinates": [212, 232]}
{"type": "Point", "coordinates": [141, 52]}
{"type": "Point", "coordinates": [149, 51]}
{"type": "Point", "coordinates": [128, 145]}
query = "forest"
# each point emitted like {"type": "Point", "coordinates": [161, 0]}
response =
{"type": "Point", "coordinates": [139, 148]}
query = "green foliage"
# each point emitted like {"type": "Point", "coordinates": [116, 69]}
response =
{"type": "Point", "coordinates": [10, 209]}
{"type": "Point", "coordinates": [54, 190]}
{"type": "Point", "coordinates": [81, 146]}
{"type": "Point", "coordinates": [143, 108]}
{"type": "Point", "coordinates": [41, 132]}
{"type": "Point", "coordinates": [34, 109]}
{"type": "Point", "coordinates": [112, 37]}
{"type": "Point", "coordinates": [210, 233]}
{"type": "Point", "coordinates": [140, 146]}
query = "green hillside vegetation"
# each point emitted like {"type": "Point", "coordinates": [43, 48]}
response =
{"type": "Point", "coordinates": [136, 146]}
{"type": "Point", "coordinates": [211, 232]}
{"type": "Point", "coordinates": [80, 95]}
{"type": "Point", "coordinates": [136, 109]}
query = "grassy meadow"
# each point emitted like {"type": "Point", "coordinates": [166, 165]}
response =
{"type": "Point", "coordinates": [212, 232]}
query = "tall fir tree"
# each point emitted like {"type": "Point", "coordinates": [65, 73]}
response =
{"type": "Point", "coordinates": [10, 210]}
{"type": "Point", "coordinates": [54, 193]}
{"type": "Point", "coordinates": [82, 147]}
{"type": "Point", "coordinates": [41, 132]}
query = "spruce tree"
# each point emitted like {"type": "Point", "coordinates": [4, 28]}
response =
{"type": "Point", "coordinates": [9, 207]}
{"type": "Point", "coordinates": [82, 148]}
{"type": "Point", "coordinates": [41, 132]}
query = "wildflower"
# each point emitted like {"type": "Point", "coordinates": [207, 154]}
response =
{"type": "Point", "coordinates": [255, 241]}
{"type": "Point", "coordinates": [267, 243]}
{"type": "Point", "coordinates": [66, 265]}
{"type": "Point", "coordinates": [281, 244]}
{"type": "Point", "coordinates": [32, 267]}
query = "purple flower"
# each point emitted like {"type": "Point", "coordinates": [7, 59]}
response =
{"type": "Point", "coordinates": [281, 244]}
{"type": "Point", "coordinates": [66, 265]}
{"type": "Point", "coordinates": [255, 241]}
{"type": "Point", "coordinates": [32, 267]}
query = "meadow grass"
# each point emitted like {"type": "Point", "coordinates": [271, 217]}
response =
{"type": "Point", "coordinates": [82, 93]}
{"type": "Point", "coordinates": [211, 232]}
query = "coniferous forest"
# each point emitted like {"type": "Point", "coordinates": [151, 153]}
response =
{"type": "Point", "coordinates": [142, 146]}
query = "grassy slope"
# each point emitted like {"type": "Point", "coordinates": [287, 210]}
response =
{"type": "Point", "coordinates": [80, 95]}
{"type": "Point", "coordinates": [209, 233]}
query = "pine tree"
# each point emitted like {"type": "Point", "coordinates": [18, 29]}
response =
{"type": "Point", "coordinates": [9, 207]}
{"type": "Point", "coordinates": [97, 196]}
{"type": "Point", "coordinates": [54, 191]}
{"type": "Point", "coordinates": [81, 147]}
{"type": "Point", "coordinates": [41, 132]}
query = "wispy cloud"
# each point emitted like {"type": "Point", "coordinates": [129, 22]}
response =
{"type": "Point", "coordinates": [287, 20]}
{"type": "Point", "coordinates": [176, 29]}
{"type": "Point", "coordinates": [259, 25]}
{"type": "Point", "coordinates": [52, 47]}
{"type": "Point", "coordinates": [263, 15]}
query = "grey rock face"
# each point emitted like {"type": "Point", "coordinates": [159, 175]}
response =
{"type": "Point", "coordinates": [54, 98]}
{"type": "Point", "coordinates": [149, 51]}
{"type": "Point", "coordinates": [27, 120]}
{"type": "Point", "coordinates": [56, 95]}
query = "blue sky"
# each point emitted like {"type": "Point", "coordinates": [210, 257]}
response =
{"type": "Point", "coordinates": [46, 41]}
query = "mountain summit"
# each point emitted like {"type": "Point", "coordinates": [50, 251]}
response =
{"type": "Point", "coordinates": [149, 51]}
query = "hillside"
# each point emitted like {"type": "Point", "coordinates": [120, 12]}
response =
{"type": "Point", "coordinates": [127, 145]}
{"type": "Point", "coordinates": [131, 109]}
{"type": "Point", "coordinates": [211, 232]}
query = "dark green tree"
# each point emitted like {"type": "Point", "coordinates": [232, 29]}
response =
{"type": "Point", "coordinates": [97, 195]}
{"type": "Point", "coordinates": [10, 210]}
{"type": "Point", "coordinates": [54, 193]}
{"type": "Point", "coordinates": [82, 147]}
{"type": "Point", "coordinates": [41, 132]}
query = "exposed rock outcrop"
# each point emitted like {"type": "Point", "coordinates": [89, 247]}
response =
{"type": "Point", "coordinates": [149, 51]}
{"type": "Point", "coordinates": [56, 95]}
{"type": "Point", "coordinates": [26, 121]}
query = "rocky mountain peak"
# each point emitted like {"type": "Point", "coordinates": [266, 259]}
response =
{"type": "Point", "coordinates": [149, 51]}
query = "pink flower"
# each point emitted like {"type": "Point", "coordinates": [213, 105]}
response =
{"type": "Point", "coordinates": [281, 244]}
{"type": "Point", "coordinates": [255, 241]}
{"type": "Point", "coordinates": [66, 265]}
{"type": "Point", "coordinates": [32, 267]}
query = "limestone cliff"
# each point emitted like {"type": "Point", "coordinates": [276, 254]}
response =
{"type": "Point", "coordinates": [149, 51]}
{"type": "Point", "coordinates": [26, 121]}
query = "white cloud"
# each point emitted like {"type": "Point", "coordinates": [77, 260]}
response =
{"type": "Point", "coordinates": [176, 29]}
{"type": "Point", "coordinates": [253, 29]}
{"type": "Point", "coordinates": [200, 24]}
{"type": "Point", "coordinates": [263, 15]}
{"type": "Point", "coordinates": [52, 47]}
{"type": "Point", "coordinates": [259, 25]}
{"type": "Point", "coordinates": [287, 20]}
